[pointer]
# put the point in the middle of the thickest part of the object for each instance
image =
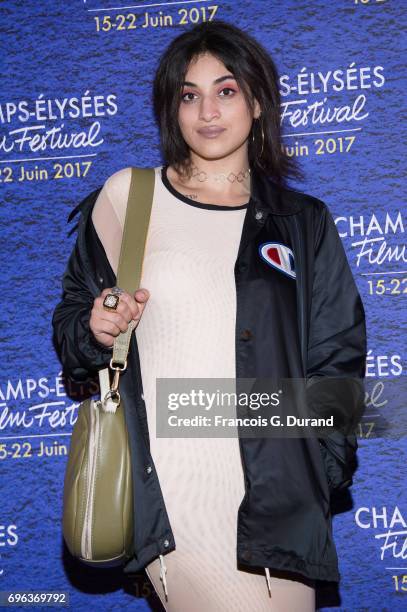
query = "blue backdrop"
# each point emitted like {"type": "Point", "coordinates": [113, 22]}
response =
{"type": "Point", "coordinates": [75, 106]}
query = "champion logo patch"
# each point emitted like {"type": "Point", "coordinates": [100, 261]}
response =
{"type": "Point", "coordinates": [279, 256]}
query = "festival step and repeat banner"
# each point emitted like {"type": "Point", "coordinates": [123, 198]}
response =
{"type": "Point", "coordinates": [75, 107]}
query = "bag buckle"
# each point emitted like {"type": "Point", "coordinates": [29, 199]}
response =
{"type": "Point", "coordinates": [113, 394]}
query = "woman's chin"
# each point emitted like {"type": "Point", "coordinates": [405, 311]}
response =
{"type": "Point", "coordinates": [213, 151]}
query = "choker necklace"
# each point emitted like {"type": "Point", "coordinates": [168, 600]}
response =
{"type": "Point", "coordinates": [220, 177]}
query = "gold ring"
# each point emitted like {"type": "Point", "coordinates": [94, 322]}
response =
{"type": "Point", "coordinates": [111, 302]}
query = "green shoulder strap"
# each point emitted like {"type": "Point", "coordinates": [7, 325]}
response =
{"type": "Point", "coordinates": [132, 250]}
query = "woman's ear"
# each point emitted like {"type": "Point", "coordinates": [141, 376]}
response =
{"type": "Point", "coordinates": [257, 109]}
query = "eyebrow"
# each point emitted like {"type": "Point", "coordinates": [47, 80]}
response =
{"type": "Point", "coordinates": [216, 81]}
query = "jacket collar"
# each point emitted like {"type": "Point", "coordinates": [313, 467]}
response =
{"type": "Point", "coordinates": [85, 205]}
{"type": "Point", "coordinates": [268, 198]}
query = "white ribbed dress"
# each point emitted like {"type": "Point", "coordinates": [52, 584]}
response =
{"type": "Point", "coordinates": [187, 330]}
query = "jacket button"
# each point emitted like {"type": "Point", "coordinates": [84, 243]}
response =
{"type": "Point", "coordinates": [246, 334]}
{"type": "Point", "coordinates": [166, 543]}
{"type": "Point", "coordinates": [246, 555]}
{"type": "Point", "coordinates": [149, 469]}
{"type": "Point", "coordinates": [258, 215]}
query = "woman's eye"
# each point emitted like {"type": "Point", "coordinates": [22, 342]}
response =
{"type": "Point", "coordinates": [228, 89]}
{"type": "Point", "coordinates": [188, 93]}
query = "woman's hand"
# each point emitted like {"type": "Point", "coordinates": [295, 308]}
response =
{"type": "Point", "coordinates": [106, 325]}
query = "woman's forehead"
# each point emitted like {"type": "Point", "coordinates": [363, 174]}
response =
{"type": "Point", "coordinates": [205, 61]}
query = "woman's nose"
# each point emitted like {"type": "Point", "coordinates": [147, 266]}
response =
{"type": "Point", "coordinates": [209, 108]}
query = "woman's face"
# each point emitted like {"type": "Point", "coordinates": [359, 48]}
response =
{"type": "Point", "coordinates": [213, 115]}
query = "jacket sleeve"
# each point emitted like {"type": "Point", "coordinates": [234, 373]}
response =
{"type": "Point", "coordinates": [80, 353]}
{"type": "Point", "coordinates": [336, 353]}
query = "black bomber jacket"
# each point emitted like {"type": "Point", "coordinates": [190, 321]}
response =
{"type": "Point", "coordinates": [302, 318]}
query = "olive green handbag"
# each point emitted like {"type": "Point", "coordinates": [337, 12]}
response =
{"type": "Point", "coordinates": [98, 507]}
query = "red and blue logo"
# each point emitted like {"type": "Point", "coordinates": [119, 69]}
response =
{"type": "Point", "coordinates": [278, 256]}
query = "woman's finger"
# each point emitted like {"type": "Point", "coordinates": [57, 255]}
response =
{"type": "Point", "coordinates": [116, 318]}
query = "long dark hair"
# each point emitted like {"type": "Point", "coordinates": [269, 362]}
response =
{"type": "Point", "coordinates": [256, 74]}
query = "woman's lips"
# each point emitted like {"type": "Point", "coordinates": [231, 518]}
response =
{"type": "Point", "coordinates": [210, 132]}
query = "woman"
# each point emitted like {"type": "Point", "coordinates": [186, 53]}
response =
{"type": "Point", "coordinates": [242, 277]}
